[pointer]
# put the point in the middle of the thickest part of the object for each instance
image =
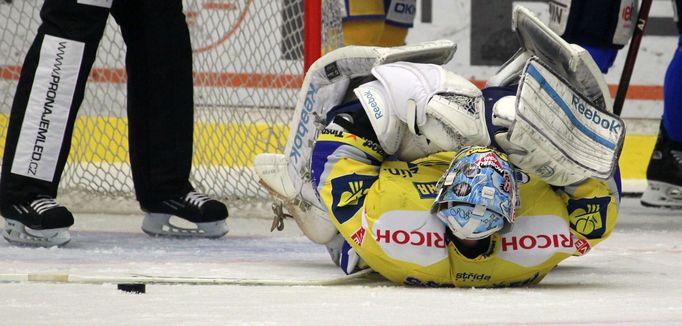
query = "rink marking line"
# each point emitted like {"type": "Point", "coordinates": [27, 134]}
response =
{"type": "Point", "coordinates": [362, 277]}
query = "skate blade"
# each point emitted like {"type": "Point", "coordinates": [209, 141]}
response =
{"type": "Point", "coordinates": [17, 233]}
{"type": "Point", "coordinates": [663, 195]}
{"type": "Point", "coordinates": [155, 224]}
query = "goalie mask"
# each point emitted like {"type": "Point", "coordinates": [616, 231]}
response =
{"type": "Point", "coordinates": [477, 193]}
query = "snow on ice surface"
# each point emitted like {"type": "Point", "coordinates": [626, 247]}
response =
{"type": "Point", "coordinates": [633, 278]}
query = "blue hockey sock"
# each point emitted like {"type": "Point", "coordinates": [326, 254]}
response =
{"type": "Point", "coordinates": [604, 57]}
{"type": "Point", "coordinates": [672, 96]}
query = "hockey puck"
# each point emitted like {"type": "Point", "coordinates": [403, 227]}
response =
{"type": "Point", "coordinates": [137, 288]}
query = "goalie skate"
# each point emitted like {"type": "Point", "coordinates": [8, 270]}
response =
{"type": "Point", "coordinates": [664, 174]}
{"type": "Point", "coordinates": [199, 217]}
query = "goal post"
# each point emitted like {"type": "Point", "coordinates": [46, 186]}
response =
{"type": "Point", "coordinates": [249, 58]}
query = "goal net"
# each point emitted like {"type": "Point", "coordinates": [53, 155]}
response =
{"type": "Point", "coordinates": [248, 67]}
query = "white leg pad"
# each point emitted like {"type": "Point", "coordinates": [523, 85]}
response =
{"type": "Point", "coordinates": [312, 220]}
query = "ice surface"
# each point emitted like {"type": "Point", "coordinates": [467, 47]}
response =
{"type": "Point", "coordinates": [633, 278]}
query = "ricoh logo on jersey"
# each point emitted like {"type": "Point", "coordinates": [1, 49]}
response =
{"type": "Point", "coordinates": [413, 238]}
{"type": "Point", "coordinates": [537, 241]}
{"type": "Point", "coordinates": [593, 115]}
{"type": "Point", "coordinates": [302, 128]}
{"type": "Point", "coordinates": [534, 239]}
{"type": "Point", "coordinates": [417, 237]}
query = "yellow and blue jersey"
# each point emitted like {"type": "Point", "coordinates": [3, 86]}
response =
{"type": "Point", "coordinates": [399, 13]}
{"type": "Point", "coordinates": [382, 209]}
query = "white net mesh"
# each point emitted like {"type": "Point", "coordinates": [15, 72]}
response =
{"type": "Point", "coordinates": [248, 66]}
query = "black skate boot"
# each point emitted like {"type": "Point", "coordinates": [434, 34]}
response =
{"type": "Point", "coordinates": [664, 174]}
{"type": "Point", "coordinates": [41, 222]}
{"type": "Point", "coordinates": [208, 216]}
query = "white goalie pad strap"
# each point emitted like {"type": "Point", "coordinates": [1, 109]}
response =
{"type": "Point", "coordinates": [326, 83]}
{"type": "Point", "coordinates": [443, 106]}
{"type": "Point", "coordinates": [566, 138]}
{"type": "Point", "coordinates": [570, 61]}
{"type": "Point", "coordinates": [386, 124]}
{"type": "Point", "coordinates": [398, 96]}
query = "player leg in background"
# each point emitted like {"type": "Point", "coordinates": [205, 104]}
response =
{"type": "Point", "coordinates": [399, 19]}
{"type": "Point", "coordinates": [363, 22]}
{"type": "Point", "coordinates": [602, 27]}
{"type": "Point", "coordinates": [664, 173]}
{"type": "Point", "coordinates": [48, 96]}
{"type": "Point", "coordinates": [161, 118]}
{"type": "Point", "coordinates": [377, 22]}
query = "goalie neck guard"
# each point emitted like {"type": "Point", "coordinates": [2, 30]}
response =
{"type": "Point", "coordinates": [477, 193]}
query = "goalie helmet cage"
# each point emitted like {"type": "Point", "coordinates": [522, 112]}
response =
{"type": "Point", "coordinates": [249, 58]}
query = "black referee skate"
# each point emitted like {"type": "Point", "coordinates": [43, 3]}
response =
{"type": "Point", "coordinates": [664, 174]}
{"type": "Point", "coordinates": [206, 214]}
{"type": "Point", "coordinates": [41, 222]}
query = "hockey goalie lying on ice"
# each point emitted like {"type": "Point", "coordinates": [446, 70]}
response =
{"type": "Point", "coordinates": [398, 165]}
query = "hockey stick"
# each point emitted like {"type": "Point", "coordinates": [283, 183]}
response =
{"type": "Point", "coordinates": [629, 66]}
{"type": "Point", "coordinates": [361, 277]}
